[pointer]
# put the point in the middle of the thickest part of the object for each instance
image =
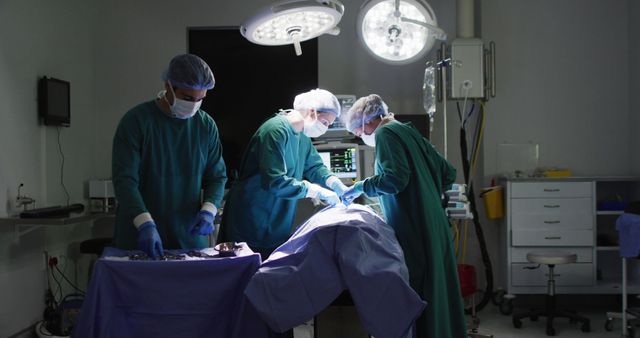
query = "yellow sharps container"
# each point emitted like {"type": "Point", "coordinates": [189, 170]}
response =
{"type": "Point", "coordinates": [493, 202]}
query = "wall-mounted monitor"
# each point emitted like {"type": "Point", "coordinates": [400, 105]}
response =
{"type": "Point", "coordinates": [54, 104]}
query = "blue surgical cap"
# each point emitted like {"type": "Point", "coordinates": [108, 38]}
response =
{"type": "Point", "coordinates": [319, 99]}
{"type": "Point", "coordinates": [364, 110]}
{"type": "Point", "coordinates": [189, 71]}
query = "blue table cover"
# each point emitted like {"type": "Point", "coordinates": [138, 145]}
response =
{"type": "Point", "coordinates": [628, 226]}
{"type": "Point", "coordinates": [338, 248]}
{"type": "Point", "coordinates": [199, 298]}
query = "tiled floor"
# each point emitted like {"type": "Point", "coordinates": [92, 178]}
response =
{"type": "Point", "coordinates": [492, 322]}
{"type": "Point", "coordinates": [500, 326]}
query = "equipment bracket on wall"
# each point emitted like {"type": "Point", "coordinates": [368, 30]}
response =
{"type": "Point", "coordinates": [488, 64]}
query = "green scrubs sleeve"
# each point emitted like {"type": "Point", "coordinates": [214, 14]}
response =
{"type": "Point", "coordinates": [272, 151]}
{"type": "Point", "coordinates": [314, 169]}
{"type": "Point", "coordinates": [392, 160]}
{"type": "Point", "coordinates": [215, 173]}
{"type": "Point", "coordinates": [126, 166]}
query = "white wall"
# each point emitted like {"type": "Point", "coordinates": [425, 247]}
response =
{"type": "Point", "coordinates": [634, 84]}
{"type": "Point", "coordinates": [556, 88]}
{"type": "Point", "coordinates": [562, 82]}
{"type": "Point", "coordinates": [53, 38]}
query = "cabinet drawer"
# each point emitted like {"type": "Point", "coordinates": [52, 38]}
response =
{"type": "Point", "coordinates": [552, 237]}
{"type": "Point", "coordinates": [559, 221]}
{"type": "Point", "coordinates": [550, 189]}
{"type": "Point", "coordinates": [552, 206]}
{"type": "Point", "coordinates": [542, 213]}
{"type": "Point", "coordinates": [577, 274]}
{"type": "Point", "coordinates": [519, 254]}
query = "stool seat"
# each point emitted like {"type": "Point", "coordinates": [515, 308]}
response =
{"type": "Point", "coordinates": [552, 257]}
{"type": "Point", "coordinates": [95, 245]}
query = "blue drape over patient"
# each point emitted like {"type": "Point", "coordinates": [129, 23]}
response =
{"type": "Point", "coordinates": [336, 249]}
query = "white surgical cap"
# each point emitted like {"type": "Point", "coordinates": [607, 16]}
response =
{"type": "Point", "coordinates": [364, 110]}
{"type": "Point", "coordinates": [319, 99]}
{"type": "Point", "coordinates": [189, 71]}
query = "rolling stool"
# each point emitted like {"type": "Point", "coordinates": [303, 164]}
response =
{"type": "Point", "coordinates": [551, 259]}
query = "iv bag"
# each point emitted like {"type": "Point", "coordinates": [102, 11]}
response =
{"type": "Point", "coordinates": [429, 93]}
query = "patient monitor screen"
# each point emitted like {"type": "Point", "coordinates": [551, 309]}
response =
{"type": "Point", "coordinates": [342, 162]}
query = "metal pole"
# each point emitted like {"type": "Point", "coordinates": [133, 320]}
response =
{"type": "Point", "coordinates": [443, 56]}
{"type": "Point", "coordinates": [624, 297]}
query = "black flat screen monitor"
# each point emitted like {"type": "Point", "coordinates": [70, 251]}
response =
{"type": "Point", "coordinates": [54, 102]}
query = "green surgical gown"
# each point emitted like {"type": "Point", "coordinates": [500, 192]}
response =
{"type": "Point", "coordinates": [261, 205]}
{"type": "Point", "coordinates": [410, 178]}
{"type": "Point", "coordinates": [162, 165]}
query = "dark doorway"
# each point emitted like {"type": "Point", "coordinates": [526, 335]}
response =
{"type": "Point", "coordinates": [252, 83]}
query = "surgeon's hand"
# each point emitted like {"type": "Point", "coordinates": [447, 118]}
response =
{"type": "Point", "coordinates": [352, 193]}
{"type": "Point", "coordinates": [336, 185]}
{"type": "Point", "coordinates": [325, 195]}
{"type": "Point", "coordinates": [203, 224]}
{"type": "Point", "coordinates": [149, 240]}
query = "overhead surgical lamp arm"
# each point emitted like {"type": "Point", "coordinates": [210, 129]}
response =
{"type": "Point", "coordinates": [295, 37]}
{"type": "Point", "coordinates": [436, 31]}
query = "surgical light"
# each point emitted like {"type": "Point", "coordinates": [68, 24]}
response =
{"type": "Point", "coordinates": [398, 31]}
{"type": "Point", "coordinates": [293, 21]}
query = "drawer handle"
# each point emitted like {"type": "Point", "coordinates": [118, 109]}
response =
{"type": "Point", "coordinates": [551, 190]}
{"type": "Point", "coordinates": [553, 237]}
{"type": "Point", "coordinates": [554, 275]}
{"type": "Point", "coordinates": [550, 206]}
{"type": "Point", "coordinates": [551, 222]}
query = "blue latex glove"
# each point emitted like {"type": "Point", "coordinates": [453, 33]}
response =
{"type": "Point", "coordinates": [336, 185]}
{"type": "Point", "coordinates": [352, 193]}
{"type": "Point", "coordinates": [203, 225]}
{"type": "Point", "coordinates": [149, 240]}
{"type": "Point", "coordinates": [325, 195]}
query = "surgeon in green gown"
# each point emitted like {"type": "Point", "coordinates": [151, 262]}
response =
{"type": "Point", "coordinates": [168, 171]}
{"type": "Point", "coordinates": [410, 178]}
{"type": "Point", "coordinates": [279, 167]}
